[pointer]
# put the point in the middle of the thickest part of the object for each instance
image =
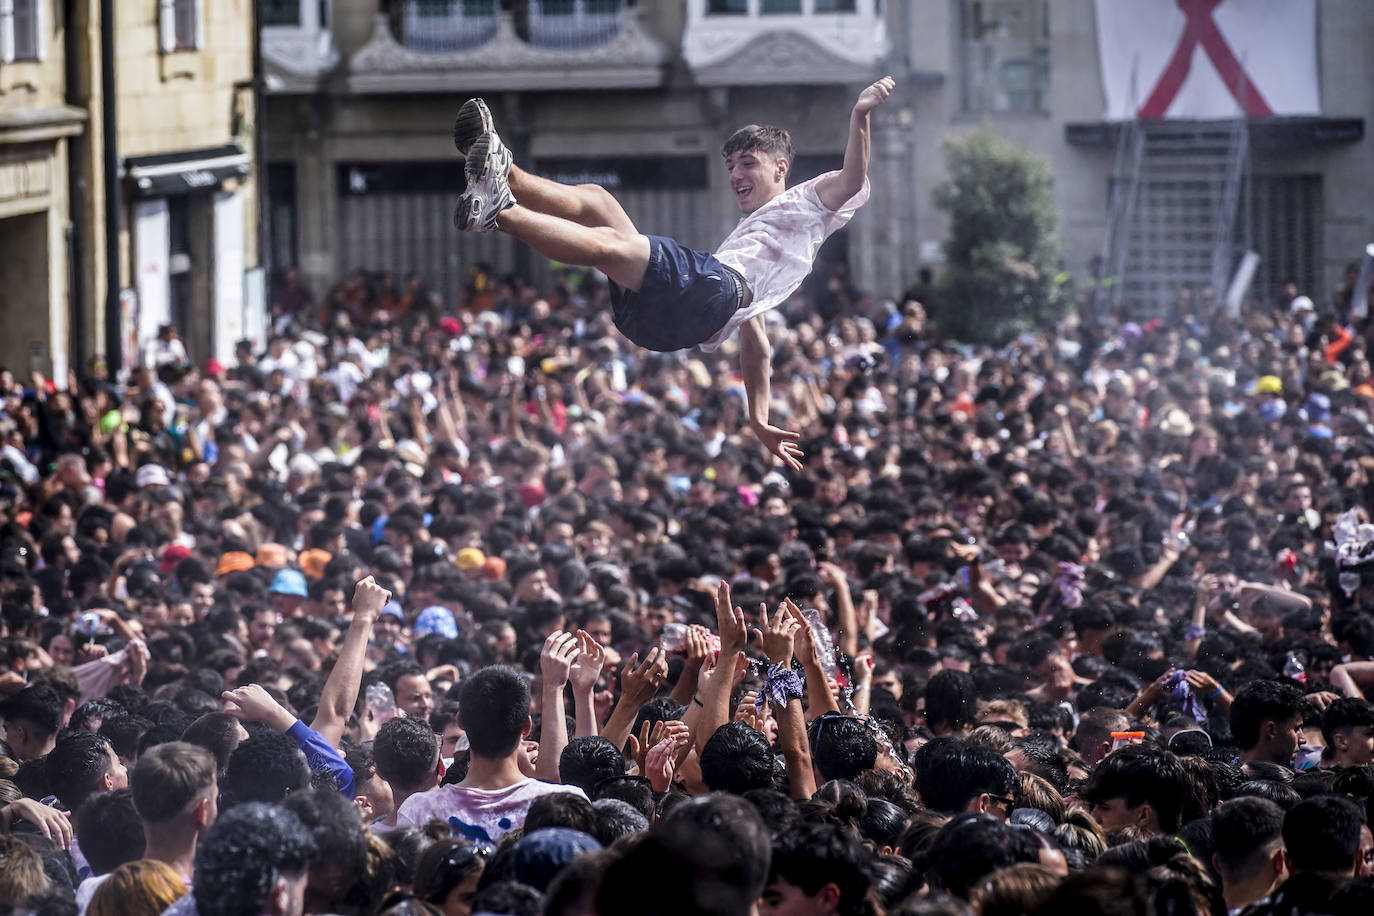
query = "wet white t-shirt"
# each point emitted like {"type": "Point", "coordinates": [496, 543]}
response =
{"type": "Point", "coordinates": [478, 814]}
{"type": "Point", "coordinates": [774, 248]}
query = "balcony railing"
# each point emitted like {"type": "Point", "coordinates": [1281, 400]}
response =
{"type": "Point", "coordinates": [445, 26]}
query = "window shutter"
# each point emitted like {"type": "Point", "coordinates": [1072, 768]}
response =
{"type": "Point", "coordinates": [198, 17]}
{"type": "Point", "coordinates": [6, 31]}
{"type": "Point", "coordinates": [167, 25]}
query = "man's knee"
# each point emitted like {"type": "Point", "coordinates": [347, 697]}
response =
{"type": "Point", "coordinates": [598, 200]}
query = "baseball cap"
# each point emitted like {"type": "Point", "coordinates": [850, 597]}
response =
{"type": "Point", "coordinates": [152, 475]}
{"type": "Point", "coordinates": [1269, 384]}
{"type": "Point", "coordinates": [394, 609]}
{"type": "Point", "coordinates": [541, 855]}
{"type": "Point", "coordinates": [234, 561]}
{"type": "Point", "coordinates": [272, 555]}
{"type": "Point", "coordinates": [314, 561]}
{"type": "Point", "coordinates": [288, 582]}
{"type": "Point", "coordinates": [436, 619]}
{"type": "Point", "coordinates": [173, 555]}
{"type": "Point", "coordinates": [470, 558]}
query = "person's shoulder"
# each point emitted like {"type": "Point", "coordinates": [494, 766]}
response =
{"type": "Point", "coordinates": [537, 787]}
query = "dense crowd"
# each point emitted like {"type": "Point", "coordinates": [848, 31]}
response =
{"type": "Point", "coordinates": [482, 610]}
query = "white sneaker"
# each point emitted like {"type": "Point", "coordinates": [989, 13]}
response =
{"type": "Point", "coordinates": [488, 193]}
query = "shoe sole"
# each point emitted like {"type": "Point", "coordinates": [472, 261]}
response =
{"type": "Point", "coordinates": [479, 162]}
{"type": "Point", "coordinates": [473, 120]}
{"type": "Point", "coordinates": [468, 213]}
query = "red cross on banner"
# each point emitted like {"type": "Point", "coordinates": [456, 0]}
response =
{"type": "Point", "coordinates": [1201, 29]}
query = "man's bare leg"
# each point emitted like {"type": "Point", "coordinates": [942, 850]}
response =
{"type": "Point", "coordinates": [622, 256]}
{"type": "Point", "coordinates": [587, 204]}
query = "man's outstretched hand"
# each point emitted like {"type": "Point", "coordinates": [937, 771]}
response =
{"type": "Point", "coordinates": [874, 95]}
{"type": "Point", "coordinates": [781, 443]}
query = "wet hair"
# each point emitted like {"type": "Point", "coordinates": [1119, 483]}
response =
{"type": "Point", "coordinates": [241, 858]}
{"type": "Point", "coordinates": [972, 846]}
{"type": "Point", "coordinates": [616, 819]}
{"type": "Point", "coordinates": [775, 141]}
{"type": "Point", "coordinates": [76, 767]}
{"type": "Point", "coordinates": [336, 831]}
{"type": "Point", "coordinates": [811, 856]}
{"type": "Point", "coordinates": [842, 747]}
{"type": "Point", "coordinates": [1259, 702]}
{"type": "Point", "coordinates": [951, 700]}
{"type": "Point", "coordinates": [218, 733]}
{"type": "Point", "coordinates": [1141, 774]}
{"type": "Point", "coordinates": [950, 773]}
{"type": "Point", "coordinates": [265, 768]}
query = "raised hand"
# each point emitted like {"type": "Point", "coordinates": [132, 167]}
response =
{"type": "Point", "coordinates": [729, 622]}
{"type": "Point", "coordinates": [780, 443]}
{"type": "Point", "coordinates": [591, 657]}
{"type": "Point", "coordinates": [661, 761]}
{"type": "Point", "coordinates": [779, 634]}
{"type": "Point", "coordinates": [369, 598]}
{"type": "Point", "coordinates": [251, 703]}
{"type": "Point", "coordinates": [557, 657]}
{"type": "Point", "coordinates": [641, 683]}
{"type": "Point", "coordinates": [874, 95]}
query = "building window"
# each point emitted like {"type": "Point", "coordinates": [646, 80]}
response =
{"type": "Point", "coordinates": [727, 7]}
{"type": "Point", "coordinates": [1005, 50]}
{"type": "Point", "coordinates": [781, 6]}
{"type": "Point", "coordinates": [281, 12]}
{"type": "Point", "coordinates": [179, 22]}
{"type": "Point", "coordinates": [835, 6]}
{"type": "Point", "coordinates": [21, 32]}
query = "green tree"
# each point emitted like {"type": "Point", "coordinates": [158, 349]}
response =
{"type": "Point", "coordinates": [1002, 271]}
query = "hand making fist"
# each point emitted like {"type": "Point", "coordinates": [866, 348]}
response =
{"type": "Point", "coordinates": [874, 95]}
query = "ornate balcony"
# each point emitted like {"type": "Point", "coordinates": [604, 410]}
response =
{"type": "Point", "coordinates": [434, 45]}
{"type": "Point", "coordinates": [784, 42]}
{"type": "Point", "coordinates": [297, 44]}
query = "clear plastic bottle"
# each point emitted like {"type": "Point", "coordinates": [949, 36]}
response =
{"type": "Point", "coordinates": [1294, 669]}
{"type": "Point", "coordinates": [820, 634]}
{"type": "Point", "coordinates": [674, 637]}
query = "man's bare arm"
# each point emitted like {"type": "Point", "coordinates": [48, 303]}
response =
{"type": "Point", "coordinates": [836, 189]}
{"type": "Point", "coordinates": [755, 360]}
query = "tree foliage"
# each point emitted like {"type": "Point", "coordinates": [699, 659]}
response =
{"type": "Point", "coordinates": [1002, 271]}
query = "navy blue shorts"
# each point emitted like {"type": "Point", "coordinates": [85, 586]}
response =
{"type": "Point", "coordinates": [686, 297]}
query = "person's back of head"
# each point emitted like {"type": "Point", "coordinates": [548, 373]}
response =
{"type": "Point", "coordinates": [719, 840]}
{"type": "Point", "coordinates": [616, 819]}
{"type": "Point", "coordinates": [406, 751]}
{"type": "Point", "coordinates": [1093, 737]}
{"type": "Point", "coordinates": [81, 765]}
{"type": "Point", "coordinates": [561, 809]}
{"type": "Point", "coordinates": [494, 708]}
{"type": "Point", "coordinates": [737, 758]}
{"type": "Point", "coordinates": [589, 760]}
{"type": "Point", "coordinates": [172, 780]}
{"type": "Point", "coordinates": [32, 717]}
{"type": "Point", "coordinates": [217, 732]}
{"type": "Point", "coordinates": [1014, 890]}
{"type": "Point", "coordinates": [951, 774]}
{"type": "Point", "coordinates": [338, 840]}
{"type": "Point", "coordinates": [21, 871]}
{"type": "Point", "coordinates": [825, 863]}
{"type": "Point", "coordinates": [842, 747]}
{"type": "Point", "coordinates": [1262, 706]}
{"type": "Point", "coordinates": [972, 846]}
{"type": "Point", "coordinates": [1098, 892]}
{"type": "Point", "coordinates": [951, 700]}
{"type": "Point", "coordinates": [1149, 781]}
{"type": "Point", "coordinates": [253, 853]}
{"type": "Point", "coordinates": [141, 888]}
{"type": "Point", "coordinates": [1248, 836]}
{"type": "Point", "coordinates": [1322, 835]}
{"type": "Point", "coordinates": [265, 768]}
{"type": "Point", "coordinates": [109, 831]}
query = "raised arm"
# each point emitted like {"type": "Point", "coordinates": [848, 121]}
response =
{"type": "Point", "coordinates": [836, 189]}
{"type": "Point", "coordinates": [340, 692]}
{"type": "Point", "coordinates": [755, 362]}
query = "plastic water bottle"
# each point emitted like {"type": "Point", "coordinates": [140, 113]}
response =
{"type": "Point", "coordinates": [1294, 669]}
{"type": "Point", "coordinates": [674, 637]}
{"type": "Point", "coordinates": [820, 634]}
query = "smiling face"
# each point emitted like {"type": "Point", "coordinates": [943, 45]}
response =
{"type": "Point", "coordinates": [756, 177]}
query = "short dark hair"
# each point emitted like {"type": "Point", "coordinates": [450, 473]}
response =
{"type": "Point", "coordinates": [405, 751]}
{"type": "Point", "coordinates": [814, 855]}
{"type": "Point", "coordinates": [775, 141]}
{"type": "Point", "coordinates": [1142, 774]}
{"type": "Point", "coordinates": [109, 830]}
{"type": "Point", "coordinates": [39, 706]}
{"type": "Point", "coordinates": [218, 733]}
{"type": "Point", "coordinates": [1346, 713]}
{"type": "Point", "coordinates": [494, 705]}
{"type": "Point", "coordinates": [951, 699]}
{"type": "Point", "coordinates": [337, 834]}
{"type": "Point", "coordinates": [737, 758]}
{"type": "Point", "coordinates": [241, 857]}
{"type": "Point", "coordinates": [1322, 834]}
{"type": "Point", "coordinates": [561, 809]}
{"type": "Point", "coordinates": [972, 846]}
{"type": "Point", "coordinates": [950, 773]}
{"type": "Point", "coordinates": [168, 778]}
{"type": "Point", "coordinates": [76, 766]}
{"type": "Point", "coordinates": [842, 747]}
{"type": "Point", "coordinates": [589, 760]}
{"type": "Point", "coordinates": [265, 768]}
{"type": "Point", "coordinates": [1258, 702]}
{"type": "Point", "coordinates": [1242, 828]}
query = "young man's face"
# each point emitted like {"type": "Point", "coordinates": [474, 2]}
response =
{"type": "Point", "coordinates": [756, 177]}
{"type": "Point", "coordinates": [783, 898]}
{"type": "Point", "coordinates": [1114, 813]}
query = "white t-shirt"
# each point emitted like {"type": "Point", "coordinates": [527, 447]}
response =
{"type": "Point", "coordinates": [493, 812]}
{"type": "Point", "coordinates": [774, 248]}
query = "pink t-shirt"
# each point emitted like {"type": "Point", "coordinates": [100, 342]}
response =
{"type": "Point", "coordinates": [493, 812]}
{"type": "Point", "coordinates": [775, 247]}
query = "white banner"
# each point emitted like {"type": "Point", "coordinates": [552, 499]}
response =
{"type": "Point", "coordinates": [228, 287]}
{"type": "Point", "coordinates": [153, 251]}
{"type": "Point", "coordinates": [1208, 59]}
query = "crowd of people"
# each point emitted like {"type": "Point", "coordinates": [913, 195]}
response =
{"type": "Point", "coordinates": [484, 610]}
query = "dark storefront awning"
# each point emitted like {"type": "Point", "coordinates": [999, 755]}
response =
{"type": "Point", "coordinates": [186, 171]}
{"type": "Point", "coordinates": [1268, 135]}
